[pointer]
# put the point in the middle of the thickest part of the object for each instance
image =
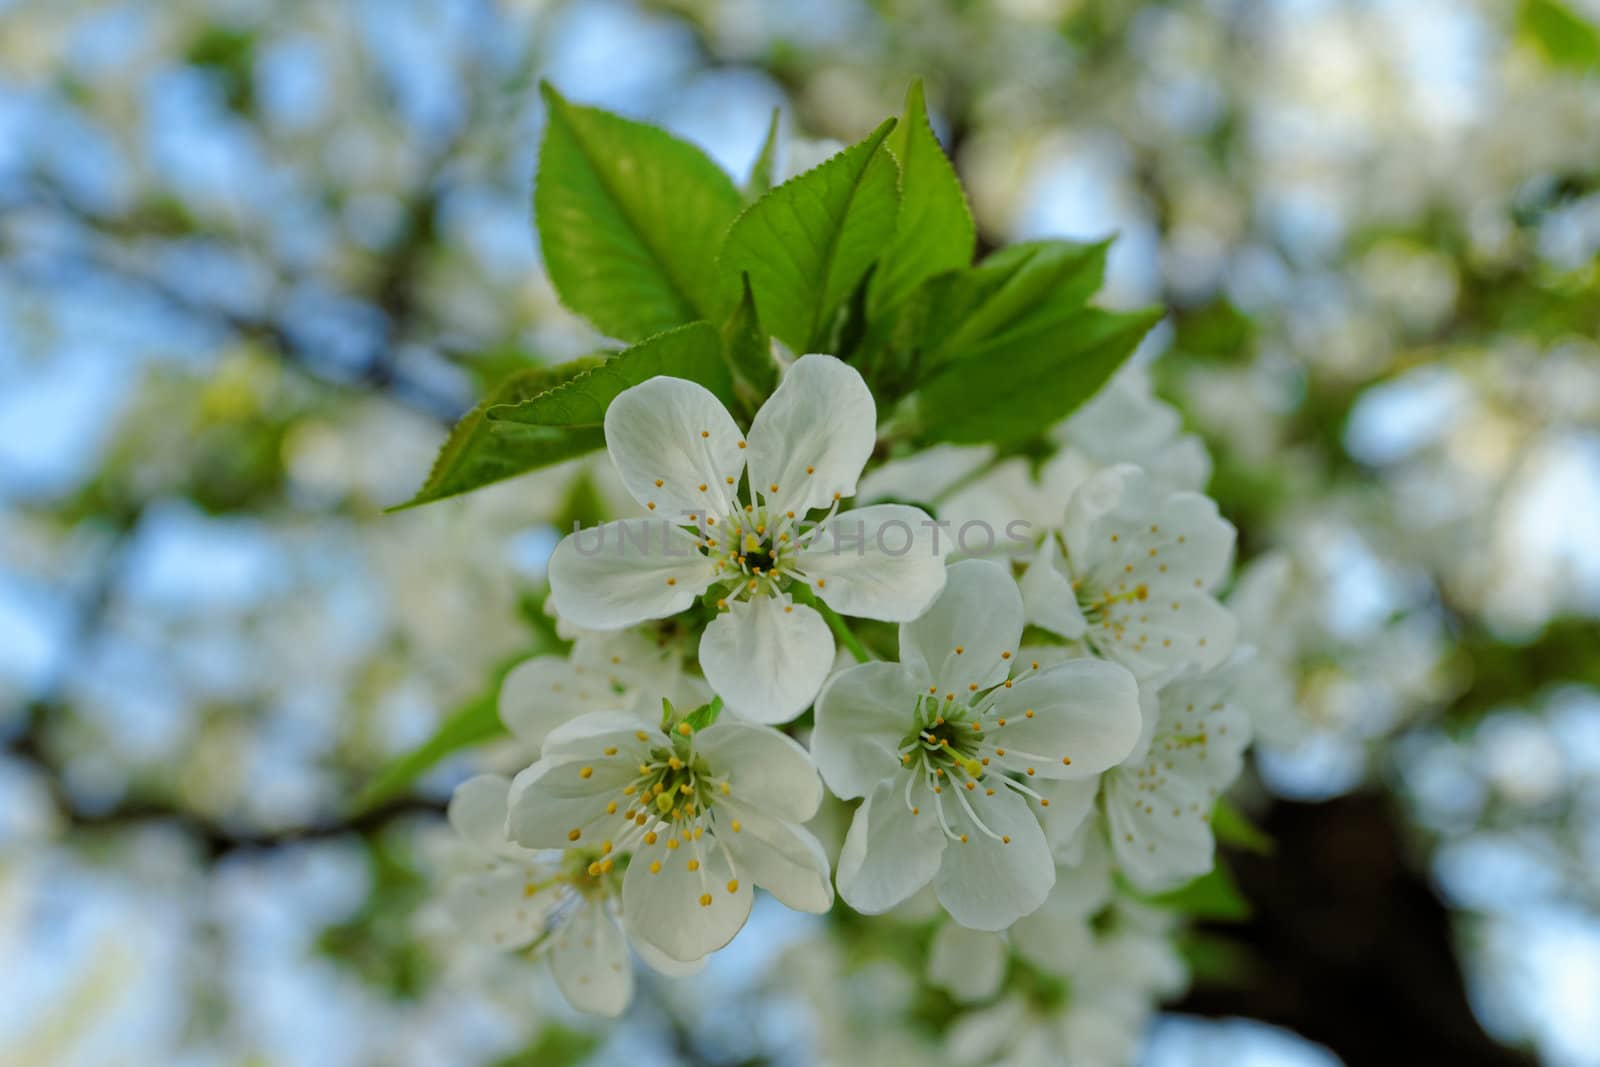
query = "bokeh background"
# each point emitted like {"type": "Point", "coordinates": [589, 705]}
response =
{"type": "Point", "coordinates": [255, 256]}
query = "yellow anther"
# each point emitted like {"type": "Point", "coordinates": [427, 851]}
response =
{"type": "Point", "coordinates": [733, 885]}
{"type": "Point", "coordinates": [574, 834]}
{"type": "Point", "coordinates": [1028, 714]}
{"type": "Point", "coordinates": [672, 842]}
{"type": "Point", "coordinates": [736, 825]}
{"type": "Point", "coordinates": [586, 772]}
{"type": "Point", "coordinates": [1005, 839]}
{"type": "Point", "coordinates": [610, 750]}
{"type": "Point", "coordinates": [655, 866]}
{"type": "Point", "coordinates": [705, 900]}
{"type": "Point", "coordinates": [685, 729]}
{"type": "Point", "coordinates": [611, 808]}
{"type": "Point", "coordinates": [694, 865]}
{"type": "Point", "coordinates": [650, 838]}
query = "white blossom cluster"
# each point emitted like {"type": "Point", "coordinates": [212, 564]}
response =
{"type": "Point", "coordinates": [1045, 752]}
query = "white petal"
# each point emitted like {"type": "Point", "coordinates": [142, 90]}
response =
{"type": "Point", "coordinates": [1083, 710]}
{"type": "Point", "coordinates": [492, 907]}
{"type": "Point", "coordinates": [767, 657]}
{"type": "Point", "coordinates": [813, 435]}
{"type": "Point", "coordinates": [778, 856]}
{"type": "Point", "coordinates": [1056, 938]}
{"type": "Point", "coordinates": [1047, 595]}
{"type": "Point", "coordinates": [1071, 802]}
{"type": "Point", "coordinates": [924, 475]}
{"type": "Point", "coordinates": [878, 562]}
{"type": "Point", "coordinates": [589, 959]}
{"type": "Point", "coordinates": [663, 964]}
{"type": "Point", "coordinates": [636, 658]}
{"type": "Point", "coordinates": [980, 1036]}
{"type": "Point", "coordinates": [862, 716]}
{"type": "Point", "coordinates": [552, 805]}
{"type": "Point", "coordinates": [980, 613]}
{"type": "Point", "coordinates": [661, 898]}
{"type": "Point", "coordinates": [987, 883]}
{"type": "Point", "coordinates": [890, 853]}
{"type": "Point", "coordinates": [764, 768]}
{"type": "Point", "coordinates": [546, 691]}
{"type": "Point", "coordinates": [678, 433]}
{"type": "Point", "coordinates": [622, 573]}
{"type": "Point", "coordinates": [1147, 561]}
{"type": "Point", "coordinates": [478, 811]}
{"type": "Point", "coordinates": [968, 963]}
{"type": "Point", "coordinates": [586, 738]}
{"type": "Point", "coordinates": [1166, 632]}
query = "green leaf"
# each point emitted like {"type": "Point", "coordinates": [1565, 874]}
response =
{"type": "Point", "coordinates": [630, 219]}
{"type": "Point", "coordinates": [954, 315]}
{"type": "Point", "coordinates": [475, 721]}
{"type": "Point", "coordinates": [667, 713]}
{"type": "Point", "coordinates": [1211, 896]}
{"type": "Point", "coordinates": [934, 232]}
{"type": "Point", "coordinates": [1018, 384]}
{"type": "Point", "coordinates": [1565, 38]}
{"type": "Point", "coordinates": [693, 352]}
{"type": "Point", "coordinates": [704, 715]}
{"type": "Point", "coordinates": [479, 452]}
{"type": "Point", "coordinates": [807, 243]}
{"type": "Point", "coordinates": [1018, 288]}
{"type": "Point", "coordinates": [1231, 827]}
{"type": "Point", "coordinates": [749, 352]}
{"type": "Point", "coordinates": [760, 180]}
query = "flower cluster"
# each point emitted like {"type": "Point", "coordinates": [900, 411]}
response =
{"type": "Point", "coordinates": [1044, 746]}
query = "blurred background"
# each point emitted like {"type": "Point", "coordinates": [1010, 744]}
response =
{"type": "Point", "coordinates": [256, 255]}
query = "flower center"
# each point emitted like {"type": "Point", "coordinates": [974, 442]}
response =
{"type": "Point", "coordinates": [957, 746]}
{"type": "Point", "coordinates": [669, 801]}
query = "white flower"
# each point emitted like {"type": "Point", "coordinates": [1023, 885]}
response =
{"type": "Point", "coordinates": [563, 903]}
{"type": "Point", "coordinates": [1158, 803]}
{"type": "Point", "coordinates": [1135, 582]}
{"type": "Point", "coordinates": [1125, 423]}
{"type": "Point", "coordinates": [968, 964]}
{"type": "Point", "coordinates": [624, 670]}
{"type": "Point", "coordinates": [703, 816]}
{"type": "Point", "coordinates": [945, 746]}
{"type": "Point", "coordinates": [682, 456]}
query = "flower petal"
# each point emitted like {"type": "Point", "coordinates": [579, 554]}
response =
{"type": "Point", "coordinates": [968, 963]}
{"type": "Point", "coordinates": [493, 907]}
{"type": "Point", "coordinates": [778, 856]}
{"type": "Point", "coordinates": [1048, 599]}
{"type": "Point", "coordinates": [767, 657]}
{"type": "Point", "coordinates": [1056, 938]}
{"type": "Point", "coordinates": [678, 434]}
{"type": "Point", "coordinates": [1073, 720]}
{"type": "Point", "coordinates": [891, 850]}
{"type": "Point", "coordinates": [622, 573]}
{"type": "Point", "coordinates": [477, 811]}
{"type": "Point", "coordinates": [543, 692]}
{"type": "Point", "coordinates": [979, 613]}
{"type": "Point", "coordinates": [878, 562]}
{"type": "Point", "coordinates": [986, 882]}
{"type": "Point", "coordinates": [1147, 562]}
{"type": "Point", "coordinates": [589, 960]}
{"type": "Point", "coordinates": [1071, 803]}
{"type": "Point", "coordinates": [662, 898]}
{"type": "Point", "coordinates": [765, 770]}
{"type": "Point", "coordinates": [862, 715]}
{"type": "Point", "coordinates": [552, 805]}
{"type": "Point", "coordinates": [813, 436]}
{"type": "Point", "coordinates": [663, 964]}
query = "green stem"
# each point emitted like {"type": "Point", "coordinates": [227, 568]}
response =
{"type": "Point", "coordinates": [840, 629]}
